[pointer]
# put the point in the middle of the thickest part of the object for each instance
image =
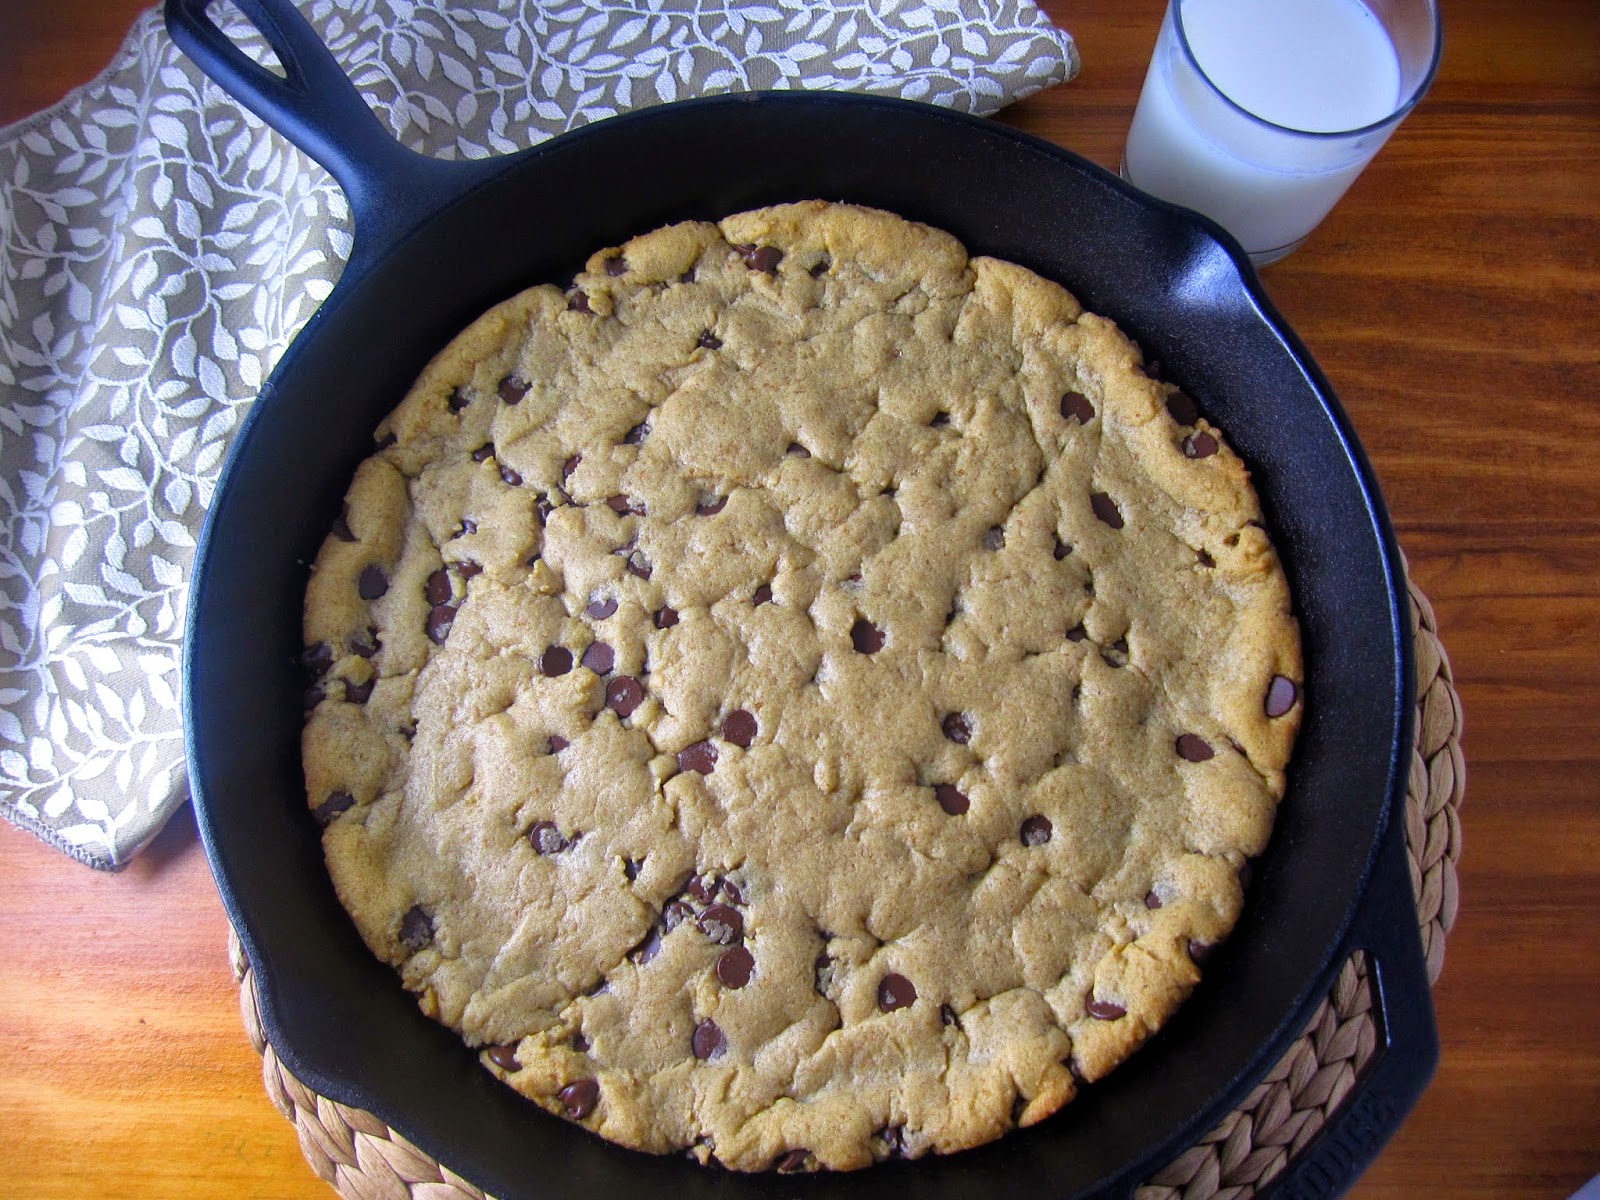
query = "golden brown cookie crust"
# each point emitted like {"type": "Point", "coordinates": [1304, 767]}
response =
{"type": "Point", "coordinates": [800, 695]}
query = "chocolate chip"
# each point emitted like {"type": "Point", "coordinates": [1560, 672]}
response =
{"type": "Point", "coordinates": [458, 400]}
{"type": "Point", "coordinates": [468, 568]}
{"type": "Point", "coordinates": [1104, 1010]}
{"type": "Point", "coordinates": [711, 507]}
{"type": "Point", "coordinates": [1151, 900]}
{"type": "Point", "coordinates": [1199, 445]}
{"type": "Point", "coordinates": [866, 637]}
{"type": "Point", "coordinates": [438, 588]}
{"type": "Point", "coordinates": [510, 476]}
{"type": "Point", "coordinates": [1077, 633]}
{"type": "Point", "coordinates": [557, 660]}
{"type": "Point", "coordinates": [359, 693]}
{"type": "Point", "coordinates": [513, 388]}
{"type": "Point", "coordinates": [639, 566]}
{"type": "Point", "coordinates": [1076, 404]}
{"type": "Point", "coordinates": [950, 799]}
{"type": "Point", "coordinates": [735, 967]}
{"type": "Point", "coordinates": [940, 420]}
{"type": "Point", "coordinates": [557, 744]}
{"type": "Point", "coordinates": [896, 991]}
{"type": "Point", "coordinates": [739, 727]}
{"type": "Point", "coordinates": [636, 435]}
{"type": "Point", "coordinates": [1200, 953]}
{"type": "Point", "coordinates": [601, 608]}
{"type": "Point", "coordinates": [762, 595]}
{"type": "Point", "coordinates": [822, 973]}
{"type": "Point", "coordinates": [722, 924]}
{"type": "Point", "coordinates": [1060, 551]}
{"type": "Point", "coordinates": [341, 527]}
{"type": "Point", "coordinates": [1106, 509]}
{"type": "Point", "coordinates": [994, 539]}
{"type": "Point", "coordinates": [1281, 695]}
{"type": "Point", "coordinates": [441, 618]}
{"type": "Point", "coordinates": [1193, 748]}
{"type": "Point", "coordinates": [385, 442]}
{"type": "Point", "coordinates": [708, 1040]}
{"type": "Point", "coordinates": [578, 301]}
{"type": "Point", "coordinates": [580, 1098]}
{"type": "Point", "coordinates": [730, 889]}
{"type": "Point", "coordinates": [820, 267]}
{"type": "Point", "coordinates": [948, 1016]}
{"type": "Point", "coordinates": [616, 265]}
{"type": "Point", "coordinates": [630, 868]}
{"type": "Point", "coordinates": [483, 453]}
{"type": "Point", "coordinates": [796, 450]}
{"type": "Point", "coordinates": [700, 757]}
{"type": "Point", "coordinates": [709, 341]}
{"type": "Point", "coordinates": [957, 727]}
{"type": "Point", "coordinates": [547, 839]}
{"type": "Point", "coordinates": [571, 465]}
{"type": "Point", "coordinates": [674, 914]}
{"type": "Point", "coordinates": [1204, 559]}
{"type": "Point", "coordinates": [761, 258]}
{"type": "Point", "coordinates": [416, 928]}
{"type": "Point", "coordinates": [317, 659]}
{"type": "Point", "coordinates": [505, 1057]}
{"type": "Point", "coordinates": [1036, 830]}
{"type": "Point", "coordinates": [666, 618]}
{"type": "Point", "coordinates": [1116, 654]}
{"type": "Point", "coordinates": [703, 888]}
{"type": "Point", "coordinates": [624, 507]}
{"type": "Point", "coordinates": [468, 525]}
{"type": "Point", "coordinates": [579, 1043]}
{"type": "Point", "coordinates": [792, 1160]}
{"type": "Point", "coordinates": [599, 658]}
{"type": "Point", "coordinates": [1183, 409]}
{"type": "Point", "coordinates": [336, 803]}
{"type": "Point", "coordinates": [624, 694]}
{"type": "Point", "coordinates": [373, 583]}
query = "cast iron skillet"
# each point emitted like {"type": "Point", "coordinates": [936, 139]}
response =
{"type": "Point", "coordinates": [436, 243]}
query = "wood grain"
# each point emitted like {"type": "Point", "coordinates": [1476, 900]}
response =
{"type": "Point", "coordinates": [1451, 298]}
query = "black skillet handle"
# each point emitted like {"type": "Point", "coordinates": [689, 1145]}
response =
{"type": "Point", "coordinates": [1408, 1041]}
{"type": "Point", "coordinates": [391, 189]}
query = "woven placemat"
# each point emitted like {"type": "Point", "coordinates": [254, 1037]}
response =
{"type": "Point", "coordinates": [366, 1160]}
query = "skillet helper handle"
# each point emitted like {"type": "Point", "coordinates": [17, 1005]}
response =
{"type": "Point", "coordinates": [315, 105]}
{"type": "Point", "coordinates": [1408, 1040]}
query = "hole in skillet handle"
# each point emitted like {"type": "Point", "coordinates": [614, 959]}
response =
{"type": "Point", "coordinates": [391, 189]}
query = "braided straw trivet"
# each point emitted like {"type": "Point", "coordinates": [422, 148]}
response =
{"type": "Point", "coordinates": [366, 1160]}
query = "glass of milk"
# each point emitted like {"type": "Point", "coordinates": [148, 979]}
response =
{"type": "Point", "coordinates": [1260, 113]}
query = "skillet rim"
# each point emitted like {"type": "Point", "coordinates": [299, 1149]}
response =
{"type": "Point", "coordinates": [368, 259]}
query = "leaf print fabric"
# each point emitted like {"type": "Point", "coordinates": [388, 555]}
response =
{"type": "Point", "coordinates": [159, 247]}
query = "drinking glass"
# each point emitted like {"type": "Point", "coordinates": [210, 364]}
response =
{"type": "Point", "coordinates": [1260, 113]}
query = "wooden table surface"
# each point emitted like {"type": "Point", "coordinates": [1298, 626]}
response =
{"type": "Point", "coordinates": [1452, 298]}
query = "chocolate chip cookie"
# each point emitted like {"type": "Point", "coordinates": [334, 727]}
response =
{"type": "Point", "coordinates": [801, 695]}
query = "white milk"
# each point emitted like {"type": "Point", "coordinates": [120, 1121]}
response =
{"type": "Point", "coordinates": [1321, 66]}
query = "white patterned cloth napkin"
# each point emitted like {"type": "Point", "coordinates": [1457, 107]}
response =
{"type": "Point", "coordinates": [159, 247]}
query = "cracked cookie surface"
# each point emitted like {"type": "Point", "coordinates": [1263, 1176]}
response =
{"type": "Point", "coordinates": [802, 695]}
